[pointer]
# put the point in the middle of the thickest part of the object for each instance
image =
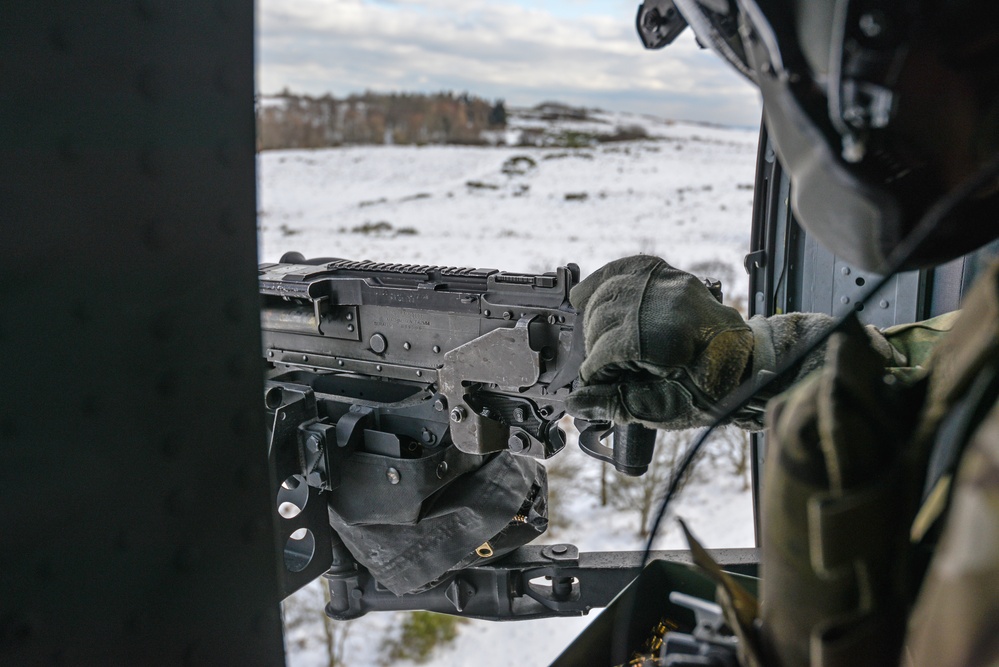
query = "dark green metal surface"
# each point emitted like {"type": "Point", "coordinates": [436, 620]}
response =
{"type": "Point", "coordinates": [136, 512]}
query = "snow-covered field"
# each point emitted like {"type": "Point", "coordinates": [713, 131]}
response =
{"type": "Point", "coordinates": [684, 193]}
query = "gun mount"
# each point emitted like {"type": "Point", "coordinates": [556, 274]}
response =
{"type": "Point", "coordinates": [385, 384]}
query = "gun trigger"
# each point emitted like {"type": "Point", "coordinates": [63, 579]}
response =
{"type": "Point", "coordinates": [318, 311]}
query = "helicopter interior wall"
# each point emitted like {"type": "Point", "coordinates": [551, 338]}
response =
{"type": "Point", "coordinates": [138, 521]}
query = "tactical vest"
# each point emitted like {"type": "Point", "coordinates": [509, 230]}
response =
{"type": "Point", "coordinates": [880, 508]}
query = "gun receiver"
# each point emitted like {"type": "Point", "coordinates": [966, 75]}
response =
{"type": "Point", "coordinates": [492, 351]}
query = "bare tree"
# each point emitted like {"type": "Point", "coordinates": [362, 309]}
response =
{"type": "Point", "coordinates": [640, 494]}
{"type": "Point", "coordinates": [307, 625]}
{"type": "Point", "coordinates": [563, 471]}
{"type": "Point", "coordinates": [731, 449]}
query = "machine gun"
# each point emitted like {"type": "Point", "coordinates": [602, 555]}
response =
{"type": "Point", "coordinates": [403, 363]}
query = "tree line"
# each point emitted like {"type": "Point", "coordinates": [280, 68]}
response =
{"type": "Point", "coordinates": [288, 120]}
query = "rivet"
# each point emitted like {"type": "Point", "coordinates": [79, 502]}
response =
{"type": "Point", "coordinates": [350, 316]}
{"type": "Point", "coordinates": [339, 362]}
{"type": "Point", "coordinates": [270, 353]}
{"type": "Point", "coordinates": [872, 24]}
{"type": "Point", "coordinates": [437, 349]}
{"type": "Point", "coordinates": [486, 313]}
{"type": "Point", "coordinates": [442, 470]}
{"type": "Point", "coordinates": [350, 327]}
{"type": "Point", "coordinates": [378, 368]}
{"type": "Point", "coordinates": [845, 270]}
{"type": "Point", "coordinates": [844, 299]}
{"type": "Point", "coordinates": [883, 303]}
{"type": "Point", "coordinates": [378, 343]}
{"type": "Point", "coordinates": [305, 358]}
{"type": "Point", "coordinates": [419, 374]}
{"type": "Point", "coordinates": [393, 476]}
{"type": "Point", "coordinates": [406, 346]}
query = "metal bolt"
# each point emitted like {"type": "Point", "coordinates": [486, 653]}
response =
{"type": "Point", "coordinates": [313, 443]}
{"type": "Point", "coordinates": [439, 405]}
{"type": "Point", "coordinates": [393, 476]}
{"type": "Point", "coordinates": [442, 470]}
{"type": "Point", "coordinates": [518, 415]}
{"type": "Point", "coordinates": [518, 442]}
{"type": "Point", "coordinates": [845, 270]}
{"type": "Point", "coordinates": [437, 349]}
{"type": "Point", "coordinates": [427, 436]}
{"type": "Point", "coordinates": [406, 345]}
{"type": "Point", "coordinates": [552, 319]}
{"type": "Point", "coordinates": [844, 299]}
{"type": "Point", "coordinates": [458, 415]}
{"type": "Point", "coordinates": [883, 303]}
{"type": "Point", "coordinates": [356, 593]}
{"type": "Point", "coordinates": [507, 315]}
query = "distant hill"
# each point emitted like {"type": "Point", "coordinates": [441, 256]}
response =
{"type": "Point", "coordinates": [289, 120]}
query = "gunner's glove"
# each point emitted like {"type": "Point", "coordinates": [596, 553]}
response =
{"type": "Point", "coordinates": [660, 349]}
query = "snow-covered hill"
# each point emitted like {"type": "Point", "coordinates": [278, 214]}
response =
{"type": "Point", "coordinates": [683, 193]}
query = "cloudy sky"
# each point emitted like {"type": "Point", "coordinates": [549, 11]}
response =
{"type": "Point", "coordinates": [582, 52]}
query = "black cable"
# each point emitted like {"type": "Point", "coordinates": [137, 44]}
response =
{"type": "Point", "coordinates": [746, 392]}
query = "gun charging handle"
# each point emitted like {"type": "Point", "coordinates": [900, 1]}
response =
{"type": "Point", "coordinates": [632, 445]}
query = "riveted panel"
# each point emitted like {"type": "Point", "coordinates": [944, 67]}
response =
{"type": "Point", "coordinates": [137, 523]}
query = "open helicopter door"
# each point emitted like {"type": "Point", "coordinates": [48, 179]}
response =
{"type": "Point", "coordinates": [788, 271]}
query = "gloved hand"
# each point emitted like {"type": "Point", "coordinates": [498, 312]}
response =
{"type": "Point", "coordinates": [660, 349]}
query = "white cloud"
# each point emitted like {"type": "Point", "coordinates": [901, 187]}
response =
{"type": "Point", "coordinates": [524, 54]}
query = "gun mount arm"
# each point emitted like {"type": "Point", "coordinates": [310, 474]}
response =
{"type": "Point", "coordinates": [531, 582]}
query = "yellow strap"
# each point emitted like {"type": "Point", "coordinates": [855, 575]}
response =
{"type": "Point", "coordinates": [934, 506]}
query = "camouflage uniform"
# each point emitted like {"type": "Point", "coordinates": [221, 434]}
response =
{"type": "Point", "coordinates": [862, 527]}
